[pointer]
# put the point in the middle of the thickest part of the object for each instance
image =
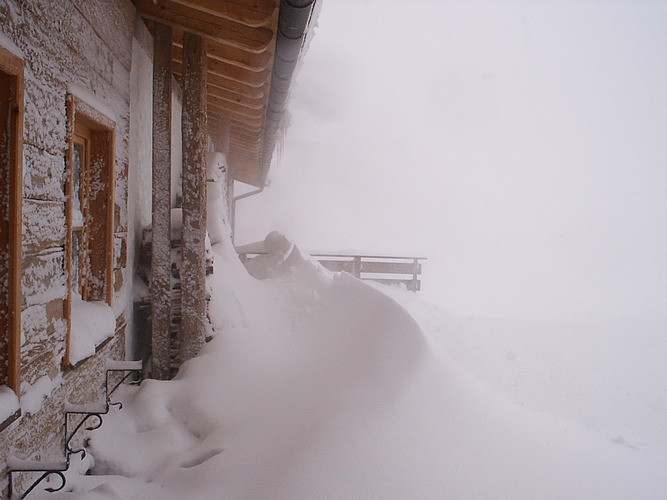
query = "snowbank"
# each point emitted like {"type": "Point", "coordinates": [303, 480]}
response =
{"type": "Point", "coordinates": [320, 386]}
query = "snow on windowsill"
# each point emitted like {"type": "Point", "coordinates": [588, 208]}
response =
{"type": "Point", "coordinates": [92, 323]}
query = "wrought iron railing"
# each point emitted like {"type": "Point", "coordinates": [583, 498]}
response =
{"type": "Point", "coordinates": [86, 418]}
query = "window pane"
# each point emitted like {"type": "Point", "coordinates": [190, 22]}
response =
{"type": "Point", "coordinates": [76, 262]}
{"type": "Point", "coordinates": [77, 172]}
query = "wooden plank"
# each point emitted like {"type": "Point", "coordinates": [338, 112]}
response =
{"type": "Point", "coordinates": [391, 267]}
{"type": "Point", "coordinates": [230, 84]}
{"type": "Point", "coordinates": [239, 120]}
{"type": "Point", "coordinates": [250, 146]}
{"type": "Point", "coordinates": [233, 55]}
{"type": "Point", "coordinates": [204, 24]}
{"type": "Point", "coordinates": [242, 141]}
{"type": "Point", "coordinates": [193, 268]}
{"type": "Point", "coordinates": [231, 71]}
{"type": "Point", "coordinates": [69, 189]}
{"type": "Point", "coordinates": [235, 108]}
{"type": "Point", "coordinates": [161, 204]}
{"type": "Point", "coordinates": [254, 13]}
{"type": "Point", "coordinates": [6, 166]}
{"type": "Point", "coordinates": [236, 98]}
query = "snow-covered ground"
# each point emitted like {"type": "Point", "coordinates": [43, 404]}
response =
{"type": "Point", "coordinates": [317, 385]}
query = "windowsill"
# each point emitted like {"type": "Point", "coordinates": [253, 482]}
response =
{"type": "Point", "coordinates": [9, 420]}
{"type": "Point", "coordinates": [98, 348]}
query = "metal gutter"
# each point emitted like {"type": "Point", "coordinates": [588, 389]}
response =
{"type": "Point", "coordinates": [293, 23]}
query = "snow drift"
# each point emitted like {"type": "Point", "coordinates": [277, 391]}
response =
{"type": "Point", "coordinates": [317, 385]}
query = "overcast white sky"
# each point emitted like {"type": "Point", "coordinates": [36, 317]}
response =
{"type": "Point", "coordinates": [519, 145]}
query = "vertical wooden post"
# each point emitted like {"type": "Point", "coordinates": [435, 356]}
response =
{"type": "Point", "coordinates": [193, 269]}
{"type": "Point", "coordinates": [415, 273]}
{"type": "Point", "coordinates": [356, 267]}
{"type": "Point", "coordinates": [161, 244]}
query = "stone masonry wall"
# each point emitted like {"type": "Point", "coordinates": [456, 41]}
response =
{"type": "Point", "coordinates": [85, 47]}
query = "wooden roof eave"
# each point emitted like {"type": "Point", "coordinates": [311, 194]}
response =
{"type": "Point", "coordinates": [241, 40]}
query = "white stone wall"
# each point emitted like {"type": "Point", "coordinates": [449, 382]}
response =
{"type": "Point", "coordinates": [85, 47]}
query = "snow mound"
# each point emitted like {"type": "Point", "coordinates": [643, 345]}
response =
{"type": "Point", "coordinates": [318, 385]}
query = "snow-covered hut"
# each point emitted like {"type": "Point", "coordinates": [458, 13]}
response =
{"type": "Point", "coordinates": [109, 110]}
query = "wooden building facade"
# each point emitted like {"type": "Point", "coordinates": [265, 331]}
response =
{"type": "Point", "coordinates": [110, 113]}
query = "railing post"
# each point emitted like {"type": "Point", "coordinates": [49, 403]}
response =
{"type": "Point", "coordinates": [415, 269]}
{"type": "Point", "coordinates": [356, 267]}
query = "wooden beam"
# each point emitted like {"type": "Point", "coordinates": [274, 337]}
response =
{"type": "Point", "coordinates": [232, 107]}
{"type": "Point", "coordinates": [255, 13]}
{"type": "Point", "coordinates": [255, 123]}
{"type": "Point", "coordinates": [231, 71]}
{"type": "Point", "coordinates": [233, 55]}
{"type": "Point", "coordinates": [204, 24]}
{"type": "Point", "coordinates": [385, 267]}
{"type": "Point", "coordinates": [161, 243]}
{"type": "Point", "coordinates": [231, 85]}
{"type": "Point", "coordinates": [233, 97]}
{"type": "Point", "coordinates": [252, 146]}
{"type": "Point", "coordinates": [193, 266]}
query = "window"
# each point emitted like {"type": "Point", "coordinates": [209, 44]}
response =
{"type": "Point", "coordinates": [90, 211]}
{"type": "Point", "coordinates": [11, 168]}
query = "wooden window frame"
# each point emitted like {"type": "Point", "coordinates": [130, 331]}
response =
{"type": "Point", "coordinates": [13, 66]}
{"type": "Point", "coordinates": [97, 131]}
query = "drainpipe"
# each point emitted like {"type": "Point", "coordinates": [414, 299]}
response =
{"type": "Point", "coordinates": [237, 198]}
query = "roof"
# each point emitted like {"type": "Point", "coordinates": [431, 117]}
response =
{"type": "Point", "coordinates": [253, 47]}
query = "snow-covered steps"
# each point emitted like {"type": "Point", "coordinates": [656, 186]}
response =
{"type": "Point", "coordinates": [78, 417]}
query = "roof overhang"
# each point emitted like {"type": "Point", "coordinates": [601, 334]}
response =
{"type": "Point", "coordinates": [253, 47]}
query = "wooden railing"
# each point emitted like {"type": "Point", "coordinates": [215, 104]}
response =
{"type": "Point", "coordinates": [389, 270]}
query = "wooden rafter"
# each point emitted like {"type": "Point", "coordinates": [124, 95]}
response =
{"type": "Point", "coordinates": [235, 108]}
{"type": "Point", "coordinates": [231, 85]}
{"type": "Point", "coordinates": [235, 97]}
{"type": "Point", "coordinates": [240, 38]}
{"type": "Point", "coordinates": [232, 55]}
{"type": "Point", "coordinates": [233, 72]}
{"type": "Point", "coordinates": [207, 25]}
{"type": "Point", "coordinates": [254, 14]}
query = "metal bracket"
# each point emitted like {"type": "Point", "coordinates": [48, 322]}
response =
{"type": "Point", "coordinates": [129, 368]}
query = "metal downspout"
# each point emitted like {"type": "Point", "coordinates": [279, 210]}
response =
{"type": "Point", "coordinates": [237, 198]}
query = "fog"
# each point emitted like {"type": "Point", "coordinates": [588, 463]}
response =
{"type": "Point", "coordinates": [519, 145]}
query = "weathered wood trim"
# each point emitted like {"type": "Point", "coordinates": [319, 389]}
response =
{"type": "Point", "coordinates": [161, 218]}
{"type": "Point", "coordinates": [110, 203]}
{"type": "Point", "coordinates": [14, 66]}
{"type": "Point", "coordinates": [195, 138]}
{"type": "Point", "coordinates": [69, 189]}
